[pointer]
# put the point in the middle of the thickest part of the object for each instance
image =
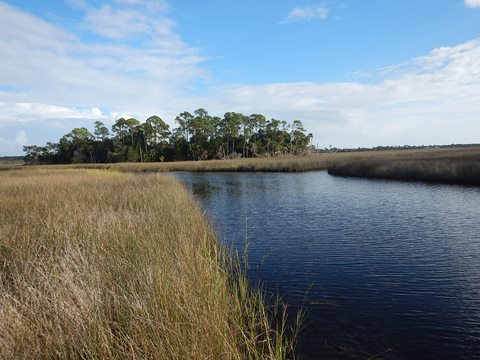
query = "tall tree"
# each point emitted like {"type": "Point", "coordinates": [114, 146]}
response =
{"type": "Point", "coordinates": [247, 130]}
{"type": "Point", "coordinates": [101, 131]}
{"type": "Point", "coordinates": [156, 136]}
{"type": "Point", "coordinates": [183, 120]}
{"type": "Point", "coordinates": [78, 144]}
{"type": "Point", "coordinates": [232, 122]}
{"type": "Point", "coordinates": [202, 129]}
{"type": "Point", "coordinates": [299, 138]}
{"type": "Point", "coordinates": [198, 136]}
{"type": "Point", "coordinates": [126, 130]}
{"type": "Point", "coordinates": [257, 123]}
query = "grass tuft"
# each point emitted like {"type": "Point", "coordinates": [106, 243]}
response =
{"type": "Point", "coordinates": [106, 265]}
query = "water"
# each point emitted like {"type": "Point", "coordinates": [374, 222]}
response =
{"type": "Point", "coordinates": [382, 267]}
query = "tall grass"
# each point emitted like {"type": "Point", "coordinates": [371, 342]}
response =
{"type": "Point", "coordinates": [336, 162]}
{"type": "Point", "coordinates": [5, 167]}
{"type": "Point", "coordinates": [451, 166]}
{"type": "Point", "coordinates": [107, 265]}
{"type": "Point", "coordinates": [268, 164]}
{"type": "Point", "coordinates": [275, 164]}
{"type": "Point", "coordinates": [454, 165]}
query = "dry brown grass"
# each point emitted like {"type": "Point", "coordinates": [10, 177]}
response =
{"type": "Point", "coordinates": [268, 164]}
{"type": "Point", "coordinates": [4, 167]}
{"type": "Point", "coordinates": [273, 164]}
{"type": "Point", "coordinates": [97, 264]}
{"type": "Point", "coordinates": [458, 166]}
{"type": "Point", "coordinates": [277, 164]}
{"type": "Point", "coordinates": [454, 165]}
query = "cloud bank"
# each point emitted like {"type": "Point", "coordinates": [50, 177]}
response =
{"type": "Point", "coordinates": [433, 99]}
{"type": "Point", "coordinates": [53, 80]}
{"type": "Point", "coordinates": [46, 64]}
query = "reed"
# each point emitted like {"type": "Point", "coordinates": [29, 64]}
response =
{"type": "Point", "coordinates": [98, 264]}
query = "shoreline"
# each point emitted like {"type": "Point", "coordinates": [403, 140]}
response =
{"type": "Point", "coordinates": [103, 264]}
{"type": "Point", "coordinates": [454, 166]}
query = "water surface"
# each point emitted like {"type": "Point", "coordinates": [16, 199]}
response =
{"type": "Point", "coordinates": [382, 267]}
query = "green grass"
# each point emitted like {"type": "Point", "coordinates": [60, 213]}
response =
{"type": "Point", "coordinates": [96, 264]}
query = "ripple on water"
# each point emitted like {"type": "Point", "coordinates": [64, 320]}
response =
{"type": "Point", "coordinates": [377, 264]}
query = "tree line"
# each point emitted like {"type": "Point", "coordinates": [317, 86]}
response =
{"type": "Point", "coordinates": [198, 136]}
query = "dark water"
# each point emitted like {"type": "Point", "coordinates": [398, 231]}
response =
{"type": "Point", "coordinates": [382, 268]}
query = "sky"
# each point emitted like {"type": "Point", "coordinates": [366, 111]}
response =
{"type": "Point", "coordinates": [356, 73]}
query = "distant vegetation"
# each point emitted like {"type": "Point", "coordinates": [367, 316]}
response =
{"type": "Point", "coordinates": [449, 164]}
{"type": "Point", "coordinates": [458, 166]}
{"type": "Point", "coordinates": [131, 271]}
{"type": "Point", "coordinates": [248, 143]}
{"type": "Point", "coordinates": [198, 136]}
{"type": "Point", "coordinates": [396, 147]}
{"type": "Point", "coordinates": [267, 164]}
{"type": "Point", "coordinates": [11, 160]}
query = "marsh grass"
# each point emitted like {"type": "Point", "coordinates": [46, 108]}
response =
{"type": "Point", "coordinates": [452, 165]}
{"type": "Point", "coordinates": [5, 167]}
{"type": "Point", "coordinates": [268, 164]}
{"type": "Point", "coordinates": [273, 164]}
{"type": "Point", "coordinates": [98, 264]}
{"type": "Point", "coordinates": [458, 166]}
{"type": "Point", "coordinates": [11, 160]}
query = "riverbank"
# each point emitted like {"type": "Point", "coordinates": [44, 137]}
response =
{"type": "Point", "coordinates": [103, 264]}
{"type": "Point", "coordinates": [455, 166]}
{"type": "Point", "coordinates": [265, 164]}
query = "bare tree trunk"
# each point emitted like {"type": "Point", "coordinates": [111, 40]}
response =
{"type": "Point", "coordinates": [145, 143]}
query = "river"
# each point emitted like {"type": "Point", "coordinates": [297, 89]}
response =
{"type": "Point", "coordinates": [382, 268]}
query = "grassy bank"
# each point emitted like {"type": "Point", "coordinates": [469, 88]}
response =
{"type": "Point", "coordinates": [454, 165]}
{"type": "Point", "coordinates": [108, 265]}
{"type": "Point", "coordinates": [268, 164]}
{"type": "Point", "coordinates": [272, 164]}
{"type": "Point", "coordinates": [457, 166]}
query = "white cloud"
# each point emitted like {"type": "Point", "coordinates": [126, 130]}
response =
{"type": "Point", "coordinates": [21, 137]}
{"type": "Point", "coordinates": [49, 65]}
{"type": "Point", "coordinates": [116, 24]}
{"type": "Point", "coordinates": [434, 99]}
{"type": "Point", "coordinates": [58, 78]}
{"type": "Point", "coordinates": [472, 3]}
{"type": "Point", "coordinates": [34, 112]}
{"type": "Point", "coordinates": [131, 19]}
{"type": "Point", "coordinates": [62, 82]}
{"type": "Point", "coordinates": [9, 147]}
{"type": "Point", "coordinates": [307, 13]}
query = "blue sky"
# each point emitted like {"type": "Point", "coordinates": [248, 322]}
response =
{"type": "Point", "coordinates": [357, 73]}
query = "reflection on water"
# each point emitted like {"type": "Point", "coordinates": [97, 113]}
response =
{"type": "Point", "coordinates": [382, 267]}
{"type": "Point", "coordinates": [203, 189]}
